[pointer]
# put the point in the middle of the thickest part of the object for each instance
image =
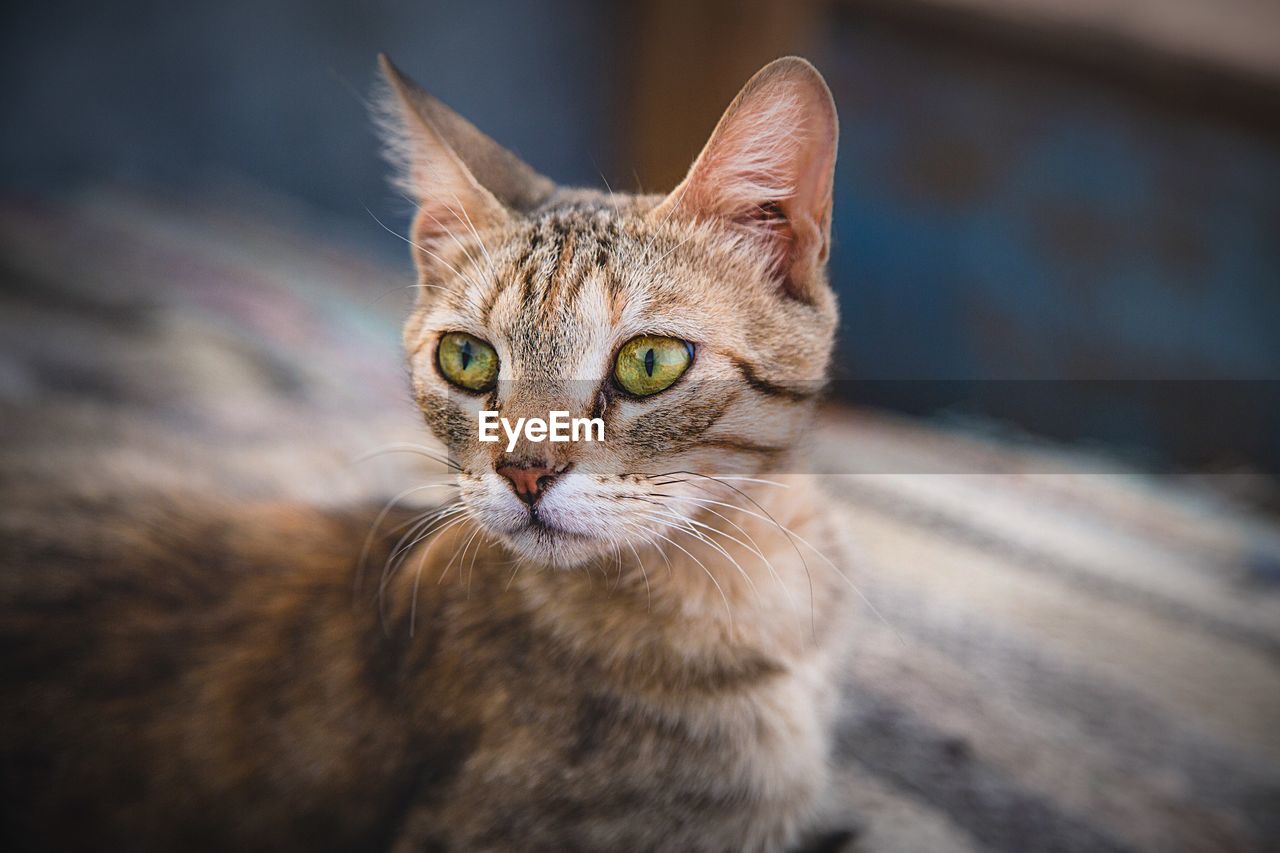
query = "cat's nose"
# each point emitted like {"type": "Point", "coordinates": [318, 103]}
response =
{"type": "Point", "coordinates": [529, 481]}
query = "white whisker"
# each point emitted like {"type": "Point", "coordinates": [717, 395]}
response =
{"type": "Point", "coordinates": [409, 447]}
{"type": "Point", "coordinates": [377, 523]}
{"type": "Point", "coordinates": [417, 578]}
{"type": "Point", "coordinates": [727, 609]}
{"type": "Point", "coordinates": [687, 525]}
{"type": "Point", "coordinates": [422, 249]}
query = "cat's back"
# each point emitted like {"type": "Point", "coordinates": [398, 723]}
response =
{"type": "Point", "coordinates": [158, 650]}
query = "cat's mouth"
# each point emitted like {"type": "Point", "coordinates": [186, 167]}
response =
{"type": "Point", "coordinates": [536, 526]}
{"type": "Point", "coordinates": [539, 526]}
{"type": "Point", "coordinates": [543, 540]}
{"type": "Point", "coordinates": [563, 526]}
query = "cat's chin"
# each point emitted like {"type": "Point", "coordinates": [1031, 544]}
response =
{"type": "Point", "coordinates": [553, 547]}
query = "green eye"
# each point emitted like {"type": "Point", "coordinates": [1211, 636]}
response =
{"type": "Point", "coordinates": [649, 364]}
{"type": "Point", "coordinates": [467, 362]}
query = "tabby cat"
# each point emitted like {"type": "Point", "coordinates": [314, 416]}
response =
{"type": "Point", "coordinates": [628, 644]}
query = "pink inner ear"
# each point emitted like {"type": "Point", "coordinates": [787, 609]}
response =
{"type": "Point", "coordinates": [773, 232]}
{"type": "Point", "coordinates": [767, 169]}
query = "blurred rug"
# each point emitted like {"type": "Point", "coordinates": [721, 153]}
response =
{"type": "Point", "coordinates": [1065, 654]}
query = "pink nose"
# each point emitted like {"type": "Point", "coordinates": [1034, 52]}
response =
{"type": "Point", "coordinates": [530, 482]}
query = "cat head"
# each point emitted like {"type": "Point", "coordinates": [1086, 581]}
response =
{"type": "Point", "coordinates": [697, 325]}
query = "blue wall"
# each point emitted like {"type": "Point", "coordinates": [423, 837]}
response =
{"type": "Point", "coordinates": [191, 94]}
{"type": "Point", "coordinates": [1003, 219]}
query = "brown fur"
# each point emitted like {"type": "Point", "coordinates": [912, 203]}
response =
{"type": "Point", "coordinates": [650, 668]}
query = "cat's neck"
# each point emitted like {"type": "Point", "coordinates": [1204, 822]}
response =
{"type": "Point", "coordinates": [753, 573]}
{"type": "Point", "coordinates": [763, 597]}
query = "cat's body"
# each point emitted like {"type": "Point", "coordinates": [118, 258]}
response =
{"type": "Point", "coordinates": [208, 682]}
{"type": "Point", "coordinates": [622, 646]}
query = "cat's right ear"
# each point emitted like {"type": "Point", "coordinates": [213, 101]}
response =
{"type": "Point", "coordinates": [459, 177]}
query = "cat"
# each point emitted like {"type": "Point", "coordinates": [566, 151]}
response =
{"type": "Point", "coordinates": [627, 644]}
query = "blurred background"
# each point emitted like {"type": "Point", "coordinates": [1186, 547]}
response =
{"type": "Point", "coordinates": [1051, 216]}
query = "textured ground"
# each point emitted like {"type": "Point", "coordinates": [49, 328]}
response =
{"type": "Point", "coordinates": [1069, 655]}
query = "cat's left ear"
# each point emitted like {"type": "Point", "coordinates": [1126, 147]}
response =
{"type": "Point", "coordinates": [768, 168]}
{"type": "Point", "coordinates": [459, 177]}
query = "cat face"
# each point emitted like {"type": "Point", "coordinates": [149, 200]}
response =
{"type": "Point", "coordinates": [696, 326]}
